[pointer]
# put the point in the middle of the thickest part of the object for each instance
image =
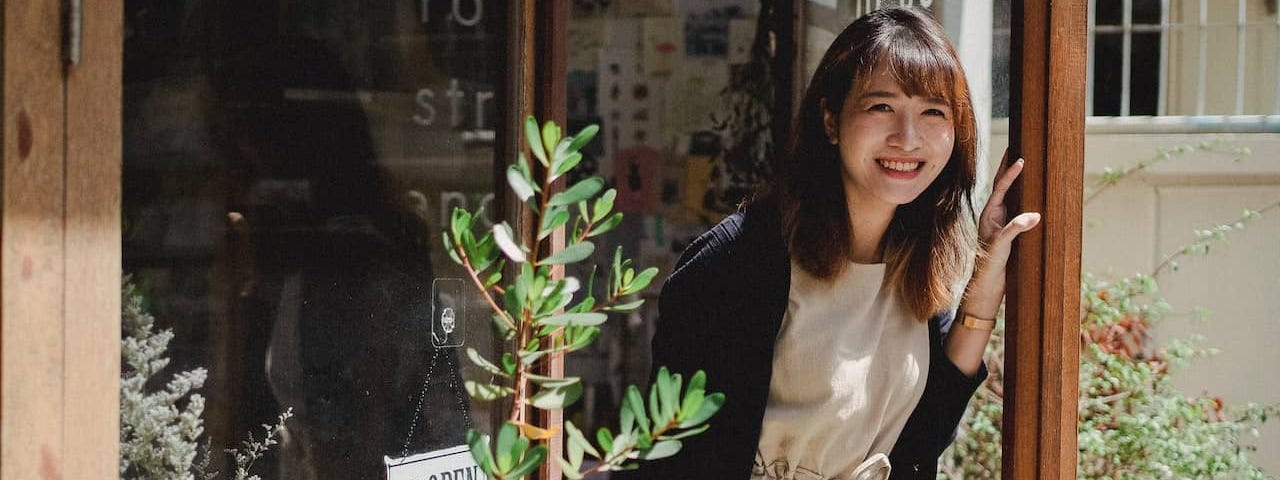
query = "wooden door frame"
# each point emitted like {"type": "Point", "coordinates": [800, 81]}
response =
{"type": "Point", "coordinates": [1042, 351]}
{"type": "Point", "coordinates": [60, 243]}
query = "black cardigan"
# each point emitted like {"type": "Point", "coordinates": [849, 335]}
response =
{"type": "Point", "coordinates": [721, 311]}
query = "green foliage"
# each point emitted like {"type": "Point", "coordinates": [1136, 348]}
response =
{"type": "Point", "coordinates": [1133, 424]}
{"type": "Point", "coordinates": [160, 429]}
{"type": "Point", "coordinates": [542, 317]}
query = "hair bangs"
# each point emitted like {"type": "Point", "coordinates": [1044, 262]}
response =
{"type": "Point", "coordinates": [916, 64]}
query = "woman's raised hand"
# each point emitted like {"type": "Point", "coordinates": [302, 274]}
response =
{"type": "Point", "coordinates": [995, 231]}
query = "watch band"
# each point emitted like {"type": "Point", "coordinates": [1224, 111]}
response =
{"type": "Point", "coordinates": [976, 323]}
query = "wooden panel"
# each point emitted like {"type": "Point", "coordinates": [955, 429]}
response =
{"type": "Point", "coordinates": [92, 375]}
{"type": "Point", "coordinates": [1043, 302]}
{"type": "Point", "coordinates": [31, 246]}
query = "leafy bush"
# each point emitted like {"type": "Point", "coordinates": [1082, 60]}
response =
{"type": "Point", "coordinates": [1133, 423]}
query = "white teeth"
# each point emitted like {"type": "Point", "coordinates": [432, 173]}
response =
{"type": "Point", "coordinates": [901, 166]}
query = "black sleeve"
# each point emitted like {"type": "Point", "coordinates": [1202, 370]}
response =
{"type": "Point", "coordinates": [931, 427]}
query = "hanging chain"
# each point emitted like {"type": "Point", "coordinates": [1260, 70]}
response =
{"type": "Point", "coordinates": [422, 397]}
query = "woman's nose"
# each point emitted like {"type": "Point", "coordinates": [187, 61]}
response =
{"type": "Point", "coordinates": [906, 134]}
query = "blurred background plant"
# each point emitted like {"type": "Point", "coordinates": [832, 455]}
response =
{"type": "Point", "coordinates": [1133, 422]}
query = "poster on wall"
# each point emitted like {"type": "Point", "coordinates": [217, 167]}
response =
{"type": "Point", "coordinates": [637, 179]}
{"type": "Point", "coordinates": [663, 37]}
{"type": "Point", "coordinates": [630, 104]}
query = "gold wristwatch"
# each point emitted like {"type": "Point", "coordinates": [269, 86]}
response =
{"type": "Point", "coordinates": [976, 323]}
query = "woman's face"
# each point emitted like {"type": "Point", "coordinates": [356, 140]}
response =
{"type": "Point", "coordinates": [892, 145]}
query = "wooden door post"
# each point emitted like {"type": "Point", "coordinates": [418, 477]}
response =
{"type": "Point", "coordinates": [1043, 303]}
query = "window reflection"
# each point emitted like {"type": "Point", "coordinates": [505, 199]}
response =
{"type": "Point", "coordinates": [286, 169]}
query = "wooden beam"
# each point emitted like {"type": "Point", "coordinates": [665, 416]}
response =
{"type": "Point", "coordinates": [550, 76]}
{"type": "Point", "coordinates": [91, 429]}
{"type": "Point", "coordinates": [1043, 351]}
{"type": "Point", "coordinates": [31, 243]}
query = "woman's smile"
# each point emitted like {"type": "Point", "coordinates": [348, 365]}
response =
{"type": "Point", "coordinates": [903, 168]}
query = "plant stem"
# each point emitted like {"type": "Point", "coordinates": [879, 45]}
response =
{"type": "Point", "coordinates": [1181, 252]}
{"type": "Point", "coordinates": [471, 272]}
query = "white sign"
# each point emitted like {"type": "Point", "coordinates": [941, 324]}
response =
{"type": "Point", "coordinates": [449, 464]}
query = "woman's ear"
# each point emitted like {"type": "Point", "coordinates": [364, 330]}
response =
{"type": "Point", "coordinates": [829, 123]}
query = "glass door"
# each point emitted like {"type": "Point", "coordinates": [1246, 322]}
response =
{"type": "Point", "coordinates": [288, 167]}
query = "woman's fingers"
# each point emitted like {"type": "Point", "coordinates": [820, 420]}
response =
{"type": "Point", "coordinates": [1021, 223]}
{"type": "Point", "coordinates": [1004, 180]}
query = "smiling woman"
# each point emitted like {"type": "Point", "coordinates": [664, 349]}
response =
{"type": "Point", "coordinates": [829, 296]}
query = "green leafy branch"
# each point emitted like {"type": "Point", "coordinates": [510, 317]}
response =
{"type": "Point", "coordinates": [1205, 238]}
{"type": "Point", "coordinates": [1110, 177]}
{"type": "Point", "coordinates": [543, 317]}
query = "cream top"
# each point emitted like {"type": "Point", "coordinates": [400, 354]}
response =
{"type": "Point", "coordinates": [849, 367]}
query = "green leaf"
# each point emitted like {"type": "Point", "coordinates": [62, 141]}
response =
{"type": "Point", "coordinates": [520, 184]}
{"type": "Point", "coordinates": [578, 192]}
{"type": "Point", "coordinates": [550, 136]}
{"type": "Point", "coordinates": [709, 407]}
{"type": "Point", "coordinates": [668, 394]}
{"type": "Point", "coordinates": [633, 401]}
{"type": "Point", "coordinates": [546, 381]}
{"type": "Point", "coordinates": [567, 163]}
{"type": "Point", "coordinates": [605, 438]}
{"type": "Point", "coordinates": [501, 328]}
{"type": "Point", "coordinates": [575, 319]}
{"type": "Point", "coordinates": [553, 219]}
{"type": "Point", "coordinates": [503, 236]}
{"type": "Point", "coordinates": [694, 395]}
{"type": "Point", "coordinates": [584, 306]}
{"type": "Point", "coordinates": [663, 449]}
{"type": "Point", "coordinates": [480, 451]}
{"type": "Point", "coordinates": [506, 447]}
{"type": "Point", "coordinates": [576, 436]}
{"type": "Point", "coordinates": [449, 247]}
{"type": "Point", "coordinates": [556, 397]}
{"type": "Point", "coordinates": [569, 470]}
{"type": "Point", "coordinates": [494, 277]}
{"type": "Point", "coordinates": [532, 459]}
{"type": "Point", "coordinates": [583, 137]}
{"type": "Point", "coordinates": [624, 307]}
{"type": "Point", "coordinates": [485, 364]}
{"type": "Point", "coordinates": [509, 363]}
{"type": "Point", "coordinates": [641, 281]}
{"type": "Point", "coordinates": [655, 410]}
{"type": "Point", "coordinates": [533, 139]}
{"type": "Point", "coordinates": [603, 205]}
{"type": "Point", "coordinates": [487, 392]}
{"type": "Point", "coordinates": [570, 254]}
{"type": "Point", "coordinates": [687, 433]}
{"type": "Point", "coordinates": [626, 420]}
{"type": "Point", "coordinates": [606, 226]}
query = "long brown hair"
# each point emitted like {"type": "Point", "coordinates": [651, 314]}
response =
{"type": "Point", "coordinates": [930, 239]}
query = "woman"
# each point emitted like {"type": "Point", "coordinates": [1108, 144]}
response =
{"type": "Point", "coordinates": [823, 310]}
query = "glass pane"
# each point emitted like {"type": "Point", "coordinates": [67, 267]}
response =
{"type": "Point", "coordinates": [663, 80]}
{"type": "Point", "coordinates": [288, 167]}
{"type": "Point", "coordinates": [1108, 53]}
{"type": "Point", "coordinates": [1109, 12]}
{"type": "Point", "coordinates": [1146, 12]}
{"type": "Point", "coordinates": [1144, 79]}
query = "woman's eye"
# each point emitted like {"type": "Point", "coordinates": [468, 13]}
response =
{"type": "Point", "coordinates": [935, 112]}
{"type": "Point", "coordinates": [880, 107]}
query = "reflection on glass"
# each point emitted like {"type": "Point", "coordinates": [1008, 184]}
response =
{"type": "Point", "coordinates": [287, 167]}
{"type": "Point", "coordinates": [683, 94]}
